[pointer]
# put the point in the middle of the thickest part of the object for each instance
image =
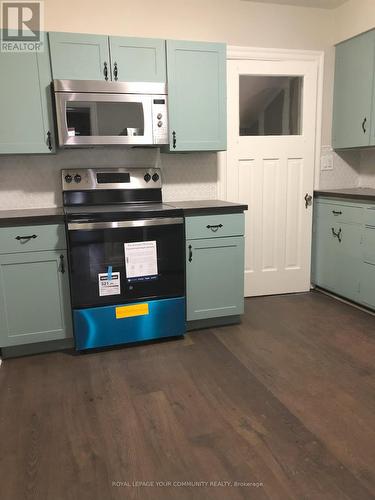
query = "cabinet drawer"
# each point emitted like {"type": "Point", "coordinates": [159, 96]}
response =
{"type": "Point", "coordinates": [340, 213]}
{"type": "Point", "coordinates": [45, 237]}
{"type": "Point", "coordinates": [214, 226]}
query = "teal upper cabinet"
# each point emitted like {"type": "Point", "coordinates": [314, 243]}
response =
{"type": "Point", "coordinates": [137, 59]}
{"type": "Point", "coordinates": [26, 123]}
{"type": "Point", "coordinates": [196, 74]}
{"type": "Point", "coordinates": [76, 56]}
{"type": "Point", "coordinates": [353, 112]}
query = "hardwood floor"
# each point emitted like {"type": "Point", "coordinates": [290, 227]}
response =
{"type": "Point", "coordinates": [285, 401]}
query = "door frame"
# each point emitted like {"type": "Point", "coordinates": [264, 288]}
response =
{"type": "Point", "coordinates": [264, 54]}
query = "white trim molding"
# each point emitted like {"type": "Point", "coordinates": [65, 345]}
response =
{"type": "Point", "coordinates": [269, 54]}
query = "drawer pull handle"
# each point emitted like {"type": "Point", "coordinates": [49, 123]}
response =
{"type": "Point", "coordinates": [338, 234]}
{"type": "Point", "coordinates": [337, 212]}
{"type": "Point", "coordinates": [62, 264]}
{"type": "Point", "coordinates": [32, 237]}
{"type": "Point", "coordinates": [215, 227]}
{"type": "Point", "coordinates": [190, 253]}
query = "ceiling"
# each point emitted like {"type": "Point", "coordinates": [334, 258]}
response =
{"type": "Point", "coordinates": [322, 4]}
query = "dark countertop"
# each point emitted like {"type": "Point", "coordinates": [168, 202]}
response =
{"type": "Point", "coordinates": [354, 193]}
{"type": "Point", "coordinates": [208, 207]}
{"type": "Point", "coordinates": [30, 216]}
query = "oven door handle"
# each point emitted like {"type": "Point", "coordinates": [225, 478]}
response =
{"type": "Point", "coordinates": [92, 226]}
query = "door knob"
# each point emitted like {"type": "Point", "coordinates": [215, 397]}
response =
{"type": "Point", "coordinates": [308, 200]}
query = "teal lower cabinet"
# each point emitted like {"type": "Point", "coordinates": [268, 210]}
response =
{"type": "Point", "coordinates": [34, 297]}
{"type": "Point", "coordinates": [214, 278]}
{"type": "Point", "coordinates": [344, 249]}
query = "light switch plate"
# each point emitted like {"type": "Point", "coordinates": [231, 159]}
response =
{"type": "Point", "coordinates": [326, 160]}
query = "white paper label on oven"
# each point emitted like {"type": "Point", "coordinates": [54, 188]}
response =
{"type": "Point", "coordinates": [71, 131]}
{"type": "Point", "coordinates": [109, 286]}
{"type": "Point", "coordinates": [141, 260]}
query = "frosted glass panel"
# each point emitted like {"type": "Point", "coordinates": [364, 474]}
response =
{"type": "Point", "coordinates": [270, 105]}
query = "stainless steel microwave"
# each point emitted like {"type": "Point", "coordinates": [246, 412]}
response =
{"type": "Point", "coordinates": [95, 113]}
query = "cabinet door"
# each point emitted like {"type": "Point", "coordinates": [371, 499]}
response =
{"type": "Point", "coordinates": [354, 71]}
{"type": "Point", "coordinates": [196, 96]}
{"type": "Point", "coordinates": [76, 56]}
{"type": "Point", "coordinates": [34, 298]}
{"type": "Point", "coordinates": [137, 59]}
{"type": "Point", "coordinates": [348, 260]}
{"type": "Point", "coordinates": [323, 255]}
{"type": "Point", "coordinates": [26, 123]}
{"type": "Point", "coordinates": [214, 277]}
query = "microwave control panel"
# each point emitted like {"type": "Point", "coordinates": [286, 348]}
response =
{"type": "Point", "coordinates": [160, 119]}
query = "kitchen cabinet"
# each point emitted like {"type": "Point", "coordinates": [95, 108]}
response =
{"type": "Point", "coordinates": [344, 248]}
{"type": "Point", "coordinates": [337, 248]}
{"type": "Point", "coordinates": [34, 286]}
{"type": "Point", "coordinates": [214, 266]}
{"type": "Point", "coordinates": [137, 59]}
{"type": "Point", "coordinates": [76, 56]}
{"type": "Point", "coordinates": [26, 121]}
{"type": "Point", "coordinates": [196, 74]}
{"type": "Point", "coordinates": [353, 104]}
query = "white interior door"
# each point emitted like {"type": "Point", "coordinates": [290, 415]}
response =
{"type": "Point", "coordinates": [270, 166]}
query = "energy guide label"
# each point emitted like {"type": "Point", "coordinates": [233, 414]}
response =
{"type": "Point", "coordinates": [109, 285]}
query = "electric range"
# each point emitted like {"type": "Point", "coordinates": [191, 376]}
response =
{"type": "Point", "coordinates": [126, 257]}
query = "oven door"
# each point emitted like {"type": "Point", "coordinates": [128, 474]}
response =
{"type": "Point", "coordinates": [126, 261]}
{"type": "Point", "coordinates": [90, 119]}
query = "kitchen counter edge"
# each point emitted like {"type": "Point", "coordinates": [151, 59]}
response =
{"type": "Point", "coordinates": [354, 193]}
{"type": "Point", "coordinates": [31, 216]}
{"type": "Point", "coordinates": [208, 207]}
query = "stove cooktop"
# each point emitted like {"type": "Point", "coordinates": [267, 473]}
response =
{"type": "Point", "coordinates": [120, 211]}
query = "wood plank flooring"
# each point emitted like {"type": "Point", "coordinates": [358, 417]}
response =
{"type": "Point", "coordinates": [283, 403]}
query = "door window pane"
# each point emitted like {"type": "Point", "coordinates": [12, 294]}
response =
{"type": "Point", "coordinates": [270, 105]}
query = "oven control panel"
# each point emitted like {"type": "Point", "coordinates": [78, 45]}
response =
{"type": "Point", "coordinates": [81, 179]}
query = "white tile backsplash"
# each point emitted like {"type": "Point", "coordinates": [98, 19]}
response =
{"type": "Point", "coordinates": [30, 181]}
{"type": "Point", "coordinates": [367, 171]}
{"type": "Point", "coordinates": [345, 172]}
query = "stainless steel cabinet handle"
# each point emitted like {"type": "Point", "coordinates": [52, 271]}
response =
{"type": "Point", "coordinates": [115, 71]}
{"type": "Point", "coordinates": [105, 71]}
{"type": "Point", "coordinates": [174, 139]}
{"type": "Point", "coordinates": [190, 253]}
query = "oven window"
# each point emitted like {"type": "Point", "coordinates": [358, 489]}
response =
{"type": "Point", "coordinates": [95, 252]}
{"type": "Point", "coordinates": [104, 118]}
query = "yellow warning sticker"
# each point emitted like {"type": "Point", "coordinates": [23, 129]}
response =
{"type": "Point", "coordinates": [133, 310]}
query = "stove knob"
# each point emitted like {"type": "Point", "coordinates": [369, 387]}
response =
{"type": "Point", "coordinates": [160, 124]}
{"type": "Point", "coordinates": [147, 177]}
{"type": "Point", "coordinates": [159, 116]}
{"type": "Point", "coordinates": [77, 178]}
{"type": "Point", "coordinates": [68, 178]}
{"type": "Point", "coordinates": [155, 177]}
